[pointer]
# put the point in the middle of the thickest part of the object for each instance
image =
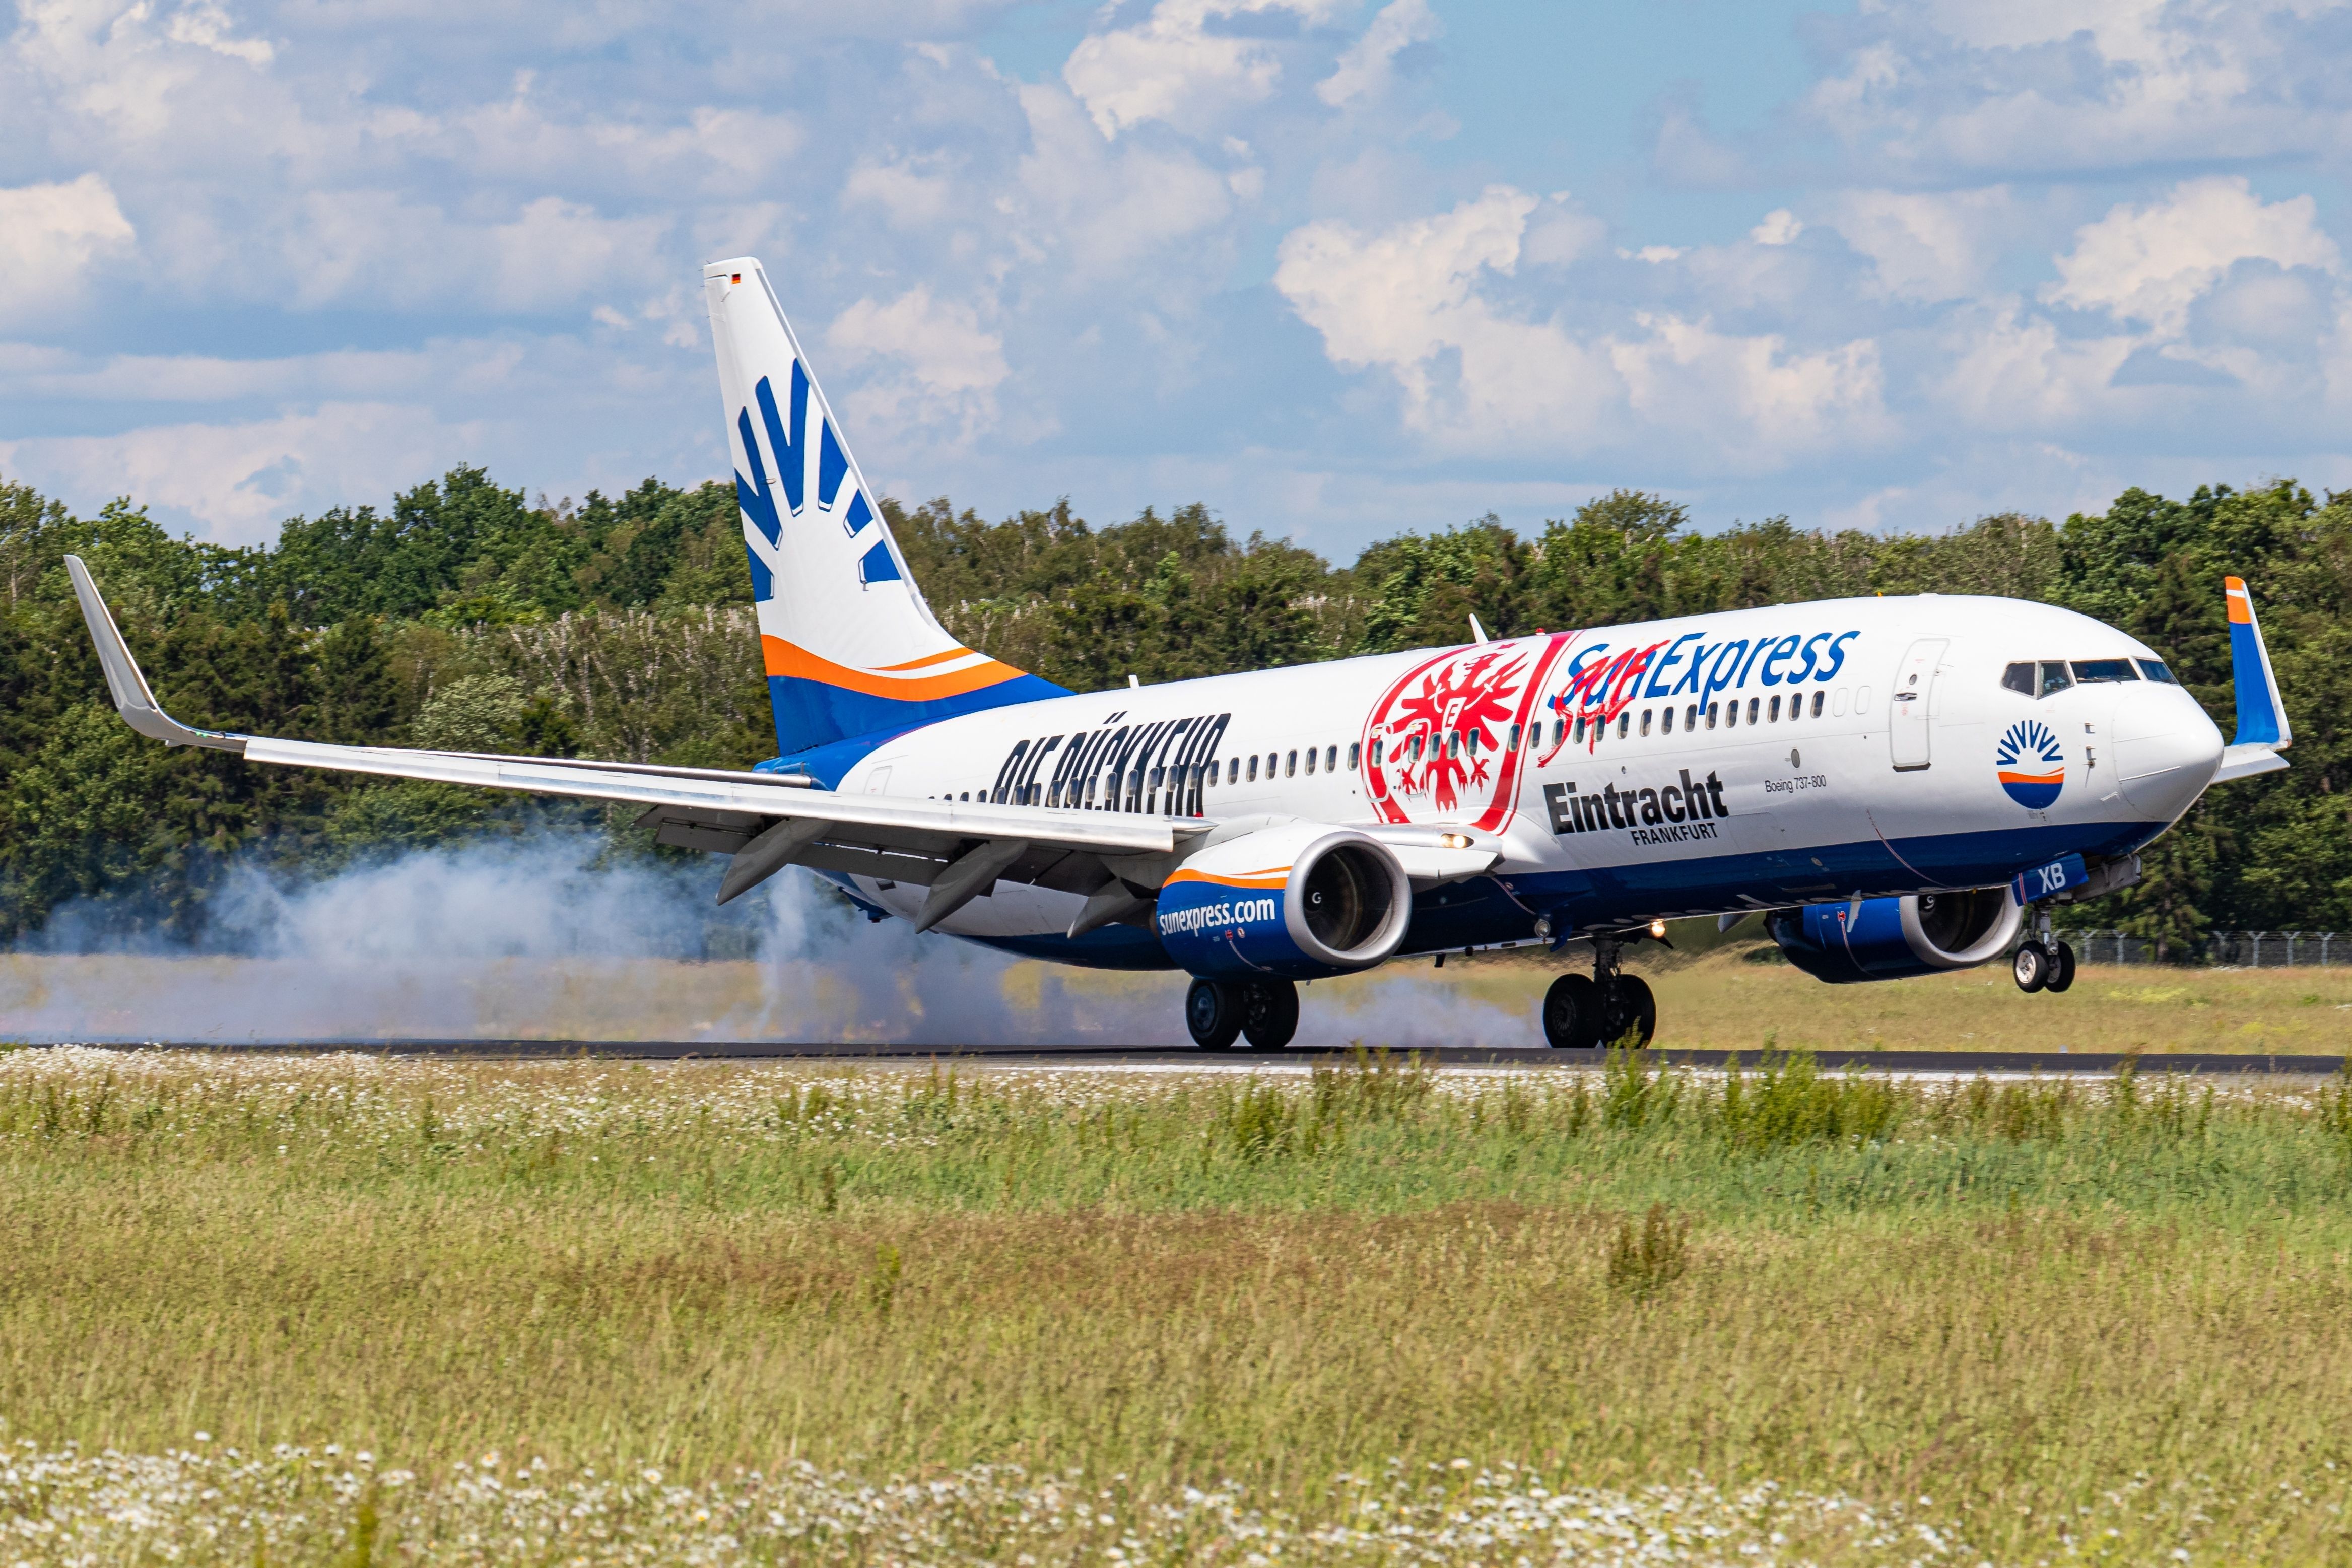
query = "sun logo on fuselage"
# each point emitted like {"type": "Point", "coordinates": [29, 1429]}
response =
{"type": "Point", "coordinates": [2031, 764]}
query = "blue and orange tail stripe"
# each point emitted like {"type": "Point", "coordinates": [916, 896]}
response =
{"type": "Point", "coordinates": [815, 696]}
{"type": "Point", "coordinates": [2262, 721]}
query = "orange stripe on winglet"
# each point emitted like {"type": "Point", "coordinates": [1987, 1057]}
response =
{"type": "Point", "coordinates": [2242, 608]}
{"type": "Point", "coordinates": [782, 658]}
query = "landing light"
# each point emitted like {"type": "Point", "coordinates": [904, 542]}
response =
{"type": "Point", "coordinates": [1658, 929]}
{"type": "Point", "coordinates": [1454, 840]}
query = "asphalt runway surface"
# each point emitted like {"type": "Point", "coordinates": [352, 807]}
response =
{"type": "Point", "coordinates": [1941, 1064]}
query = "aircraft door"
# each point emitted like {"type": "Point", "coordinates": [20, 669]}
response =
{"type": "Point", "coordinates": [1914, 703]}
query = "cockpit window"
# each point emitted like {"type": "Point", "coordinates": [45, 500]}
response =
{"type": "Point", "coordinates": [2019, 678]}
{"type": "Point", "coordinates": [2055, 677]}
{"type": "Point", "coordinates": [2154, 671]}
{"type": "Point", "coordinates": [2089, 670]}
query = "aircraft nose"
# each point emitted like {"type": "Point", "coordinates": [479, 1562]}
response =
{"type": "Point", "coordinates": [2166, 749]}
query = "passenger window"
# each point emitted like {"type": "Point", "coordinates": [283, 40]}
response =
{"type": "Point", "coordinates": [1690, 717]}
{"type": "Point", "coordinates": [1355, 754]}
{"type": "Point", "coordinates": [1772, 714]}
{"type": "Point", "coordinates": [1580, 730]}
{"type": "Point", "coordinates": [1558, 730]}
{"type": "Point", "coordinates": [2089, 670]}
{"type": "Point", "coordinates": [1515, 738]}
{"type": "Point", "coordinates": [2019, 678]}
{"type": "Point", "coordinates": [1234, 770]}
{"type": "Point", "coordinates": [1710, 714]}
{"type": "Point", "coordinates": [1416, 748]}
{"type": "Point", "coordinates": [2154, 669]}
{"type": "Point", "coordinates": [1731, 715]}
{"type": "Point", "coordinates": [1292, 770]}
{"type": "Point", "coordinates": [1331, 758]}
{"type": "Point", "coordinates": [1625, 724]}
{"type": "Point", "coordinates": [1252, 768]}
{"type": "Point", "coordinates": [1817, 702]}
{"type": "Point", "coordinates": [1755, 707]}
{"type": "Point", "coordinates": [2055, 678]}
{"type": "Point", "coordinates": [1666, 722]}
{"type": "Point", "coordinates": [1311, 759]}
{"type": "Point", "coordinates": [1645, 721]}
{"type": "Point", "coordinates": [1378, 747]}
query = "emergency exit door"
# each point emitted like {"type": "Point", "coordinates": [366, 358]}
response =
{"type": "Point", "coordinates": [1907, 725]}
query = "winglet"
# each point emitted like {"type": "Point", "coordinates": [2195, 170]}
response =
{"type": "Point", "coordinates": [2261, 718]}
{"type": "Point", "coordinates": [132, 700]}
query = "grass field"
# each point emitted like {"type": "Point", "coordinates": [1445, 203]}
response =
{"type": "Point", "coordinates": [588, 1311]}
{"type": "Point", "coordinates": [1715, 999]}
{"type": "Point", "coordinates": [1722, 1001]}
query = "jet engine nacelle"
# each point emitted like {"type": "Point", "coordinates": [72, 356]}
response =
{"type": "Point", "coordinates": [1302, 901]}
{"type": "Point", "coordinates": [1891, 939]}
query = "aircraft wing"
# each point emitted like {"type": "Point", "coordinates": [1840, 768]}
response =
{"type": "Point", "coordinates": [765, 820]}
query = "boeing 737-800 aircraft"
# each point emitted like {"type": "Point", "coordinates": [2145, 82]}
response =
{"type": "Point", "coordinates": [1901, 785]}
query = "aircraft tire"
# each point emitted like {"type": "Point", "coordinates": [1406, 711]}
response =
{"type": "Point", "coordinates": [1633, 1012]}
{"type": "Point", "coordinates": [2062, 973]}
{"type": "Point", "coordinates": [1212, 1011]}
{"type": "Point", "coordinates": [1571, 1014]}
{"type": "Point", "coordinates": [2032, 966]}
{"type": "Point", "coordinates": [1269, 1013]}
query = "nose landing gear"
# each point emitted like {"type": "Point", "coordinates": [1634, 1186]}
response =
{"type": "Point", "coordinates": [1580, 1014]}
{"type": "Point", "coordinates": [2042, 963]}
{"type": "Point", "coordinates": [1218, 1013]}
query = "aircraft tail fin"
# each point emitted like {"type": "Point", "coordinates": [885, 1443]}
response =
{"type": "Point", "coordinates": [849, 645]}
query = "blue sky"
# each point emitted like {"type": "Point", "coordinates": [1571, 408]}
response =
{"type": "Point", "coordinates": [1335, 268]}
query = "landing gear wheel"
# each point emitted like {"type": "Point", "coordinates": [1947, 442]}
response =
{"type": "Point", "coordinates": [2033, 966]}
{"type": "Point", "coordinates": [1212, 1011]}
{"type": "Point", "coordinates": [2062, 972]}
{"type": "Point", "coordinates": [1633, 1012]}
{"type": "Point", "coordinates": [1269, 1013]}
{"type": "Point", "coordinates": [1571, 1014]}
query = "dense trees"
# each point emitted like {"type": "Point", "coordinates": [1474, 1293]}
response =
{"type": "Point", "coordinates": [467, 616]}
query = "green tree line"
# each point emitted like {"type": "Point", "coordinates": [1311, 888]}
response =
{"type": "Point", "coordinates": [467, 616]}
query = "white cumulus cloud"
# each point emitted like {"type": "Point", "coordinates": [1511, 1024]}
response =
{"type": "Point", "coordinates": [942, 368]}
{"type": "Point", "coordinates": [1365, 69]}
{"type": "Point", "coordinates": [2149, 263]}
{"type": "Point", "coordinates": [241, 480]}
{"type": "Point", "coordinates": [51, 237]}
{"type": "Point", "coordinates": [1477, 376]}
{"type": "Point", "coordinates": [1172, 67]}
{"type": "Point", "coordinates": [1925, 245]}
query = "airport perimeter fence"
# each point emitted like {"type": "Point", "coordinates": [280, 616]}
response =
{"type": "Point", "coordinates": [2243, 949]}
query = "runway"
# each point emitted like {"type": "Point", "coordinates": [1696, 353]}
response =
{"type": "Point", "coordinates": [1938, 1063]}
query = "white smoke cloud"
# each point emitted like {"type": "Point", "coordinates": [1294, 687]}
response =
{"type": "Point", "coordinates": [540, 939]}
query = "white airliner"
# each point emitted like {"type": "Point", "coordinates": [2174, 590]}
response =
{"type": "Point", "coordinates": [1903, 785]}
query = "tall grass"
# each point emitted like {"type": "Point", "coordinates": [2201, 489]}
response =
{"type": "Point", "coordinates": [2010, 1297]}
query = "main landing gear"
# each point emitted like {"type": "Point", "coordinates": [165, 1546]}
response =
{"type": "Point", "coordinates": [1220, 1011]}
{"type": "Point", "coordinates": [1580, 1014]}
{"type": "Point", "coordinates": [2042, 963]}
